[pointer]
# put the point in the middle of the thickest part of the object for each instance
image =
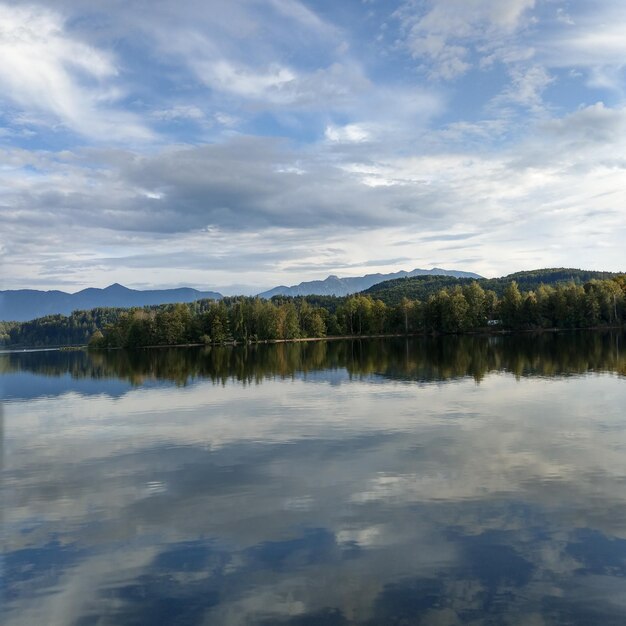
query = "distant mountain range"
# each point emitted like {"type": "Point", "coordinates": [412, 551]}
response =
{"type": "Point", "coordinates": [26, 304]}
{"type": "Point", "coordinates": [334, 286]}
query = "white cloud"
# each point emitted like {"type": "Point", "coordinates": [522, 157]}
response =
{"type": "Point", "coordinates": [226, 119]}
{"type": "Point", "coordinates": [590, 43]}
{"type": "Point", "coordinates": [179, 112]}
{"type": "Point", "coordinates": [246, 82]}
{"type": "Point", "coordinates": [350, 147]}
{"type": "Point", "coordinates": [300, 14]}
{"type": "Point", "coordinates": [444, 33]}
{"type": "Point", "coordinates": [525, 89]}
{"type": "Point", "coordinates": [243, 49]}
{"type": "Point", "coordinates": [592, 126]}
{"type": "Point", "coordinates": [555, 197]}
{"type": "Point", "coordinates": [46, 71]}
{"type": "Point", "coordinates": [590, 36]}
{"type": "Point", "coordinates": [337, 85]}
{"type": "Point", "coordinates": [350, 133]}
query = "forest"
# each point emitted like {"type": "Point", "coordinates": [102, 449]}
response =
{"type": "Point", "coordinates": [460, 308]}
{"type": "Point", "coordinates": [421, 287]}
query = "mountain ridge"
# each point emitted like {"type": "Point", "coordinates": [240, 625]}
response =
{"type": "Point", "coordinates": [335, 286]}
{"type": "Point", "coordinates": [20, 305]}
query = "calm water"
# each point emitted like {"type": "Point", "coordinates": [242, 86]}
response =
{"type": "Point", "coordinates": [440, 482]}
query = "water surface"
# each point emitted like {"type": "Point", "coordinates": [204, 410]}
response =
{"type": "Point", "coordinates": [471, 480]}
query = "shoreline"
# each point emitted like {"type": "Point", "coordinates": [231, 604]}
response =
{"type": "Point", "coordinates": [234, 343]}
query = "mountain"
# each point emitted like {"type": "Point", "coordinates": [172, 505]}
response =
{"type": "Point", "coordinates": [334, 286]}
{"type": "Point", "coordinates": [391, 292]}
{"type": "Point", "coordinates": [26, 304]}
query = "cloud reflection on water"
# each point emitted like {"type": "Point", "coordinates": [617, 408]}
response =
{"type": "Point", "coordinates": [296, 501]}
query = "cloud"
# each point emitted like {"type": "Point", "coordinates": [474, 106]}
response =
{"type": "Point", "coordinates": [525, 89]}
{"type": "Point", "coordinates": [179, 112]}
{"type": "Point", "coordinates": [281, 124]}
{"type": "Point", "coordinates": [46, 71]}
{"type": "Point", "coordinates": [446, 33]}
{"type": "Point", "coordinates": [593, 125]}
{"type": "Point", "coordinates": [244, 184]}
{"type": "Point", "coordinates": [276, 85]}
{"type": "Point", "coordinates": [214, 205]}
{"type": "Point", "coordinates": [588, 38]}
{"type": "Point", "coordinates": [246, 82]}
{"type": "Point", "coordinates": [346, 134]}
{"type": "Point", "coordinates": [236, 51]}
{"type": "Point", "coordinates": [239, 50]}
{"type": "Point", "coordinates": [587, 140]}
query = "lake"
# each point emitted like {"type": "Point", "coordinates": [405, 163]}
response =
{"type": "Point", "coordinates": [443, 481]}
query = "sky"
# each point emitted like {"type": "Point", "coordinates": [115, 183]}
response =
{"type": "Point", "coordinates": [244, 144]}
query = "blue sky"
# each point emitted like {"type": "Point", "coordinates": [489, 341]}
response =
{"type": "Point", "coordinates": [251, 143]}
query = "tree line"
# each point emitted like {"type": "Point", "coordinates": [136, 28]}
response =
{"type": "Point", "coordinates": [421, 287]}
{"type": "Point", "coordinates": [58, 330]}
{"type": "Point", "coordinates": [452, 310]}
{"type": "Point", "coordinates": [456, 309]}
